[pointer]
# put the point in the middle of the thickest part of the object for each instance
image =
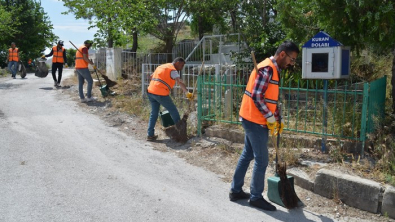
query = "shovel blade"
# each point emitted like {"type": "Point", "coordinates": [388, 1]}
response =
{"type": "Point", "coordinates": [274, 192]}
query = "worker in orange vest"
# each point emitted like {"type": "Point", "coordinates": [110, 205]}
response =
{"type": "Point", "coordinates": [259, 114]}
{"type": "Point", "coordinates": [59, 58]}
{"type": "Point", "coordinates": [81, 66]}
{"type": "Point", "coordinates": [13, 59]}
{"type": "Point", "coordinates": [163, 80]}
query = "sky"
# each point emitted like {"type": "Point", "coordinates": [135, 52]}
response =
{"type": "Point", "coordinates": [66, 27]}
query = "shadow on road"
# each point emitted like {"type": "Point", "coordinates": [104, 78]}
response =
{"type": "Point", "coordinates": [8, 85]}
{"type": "Point", "coordinates": [46, 88]}
{"type": "Point", "coordinates": [297, 214]}
{"type": "Point", "coordinates": [97, 103]}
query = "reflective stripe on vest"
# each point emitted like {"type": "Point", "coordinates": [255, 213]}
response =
{"type": "Point", "coordinates": [248, 109]}
{"type": "Point", "coordinates": [161, 82]}
{"type": "Point", "coordinates": [57, 55]}
{"type": "Point", "coordinates": [80, 63]}
{"type": "Point", "coordinates": [13, 55]}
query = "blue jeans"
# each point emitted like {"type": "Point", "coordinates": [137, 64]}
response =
{"type": "Point", "coordinates": [84, 74]}
{"type": "Point", "coordinates": [255, 146]}
{"type": "Point", "coordinates": [166, 102]}
{"type": "Point", "coordinates": [13, 67]}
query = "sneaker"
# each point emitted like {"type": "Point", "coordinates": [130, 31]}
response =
{"type": "Point", "coordinates": [55, 84]}
{"type": "Point", "coordinates": [91, 99]}
{"type": "Point", "coordinates": [262, 204]}
{"type": "Point", "coordinates": [84, 100]}
{"type": "Point", "coordinates": [238, 196]}
{"type": "Point", "coordinates": [152, 138]}
{"type": "Point", "coordinates": [14, 77]}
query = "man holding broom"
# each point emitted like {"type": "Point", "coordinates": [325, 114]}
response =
{"type": "Point", "coordinates": [259, 114]}
{"type": "Point", "coordinates": [81, 66]}
{"type": "Point", "coordinates": [163, 80]}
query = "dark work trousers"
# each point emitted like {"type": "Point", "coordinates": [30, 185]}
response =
{"type": "Point", "coordinates": [59, 67]}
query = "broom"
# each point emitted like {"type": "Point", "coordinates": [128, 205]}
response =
{"type": "Point", "coordinates": [288, 195]}
{"type": "Point", "coordinates": [178, 132]}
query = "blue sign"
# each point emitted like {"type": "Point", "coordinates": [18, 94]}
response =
{"type": "Point", "coordinates": [321, 40]}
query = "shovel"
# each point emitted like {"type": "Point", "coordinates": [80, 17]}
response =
{"type": "Point", "coordinates": [178, 132]}
{"type": "Point", "coordinates": [281, 186]}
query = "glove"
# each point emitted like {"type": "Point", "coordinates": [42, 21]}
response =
{"type": "Point", "coordinates": [271, 124]}
{"type": "Point", "coordinates": [280, 127]}
{"type": "Point", "coordinates": [43, 56]}
{"type": "Point", "coordinates": [66, 66]}
{"type": "Point", "coordinates": [189, 96]}
{"type": "Point", "coordinates": [94, 67]}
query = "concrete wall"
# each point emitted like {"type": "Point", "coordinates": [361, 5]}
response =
{"type": "Point", "coordinates": [113, 63]}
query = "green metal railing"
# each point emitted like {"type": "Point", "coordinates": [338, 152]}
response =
{"type": "Point", "coordinates": [343, 110]}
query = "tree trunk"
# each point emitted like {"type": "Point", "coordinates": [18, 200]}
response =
{"type": "Point", "coordinates": [200, 27]}
{"type": "Point", "coordinates": [264, 13]}
{"type": "Point", "coordinates": [393, 81]}
{"type": "Point", "coordinates": [110, 42]}
{"type": "Point", "coordinates": [135, 39]}
{"type": "Point", "coordinates": [169, 48]}
{"type": "Point", "coordinates": [233, 17]}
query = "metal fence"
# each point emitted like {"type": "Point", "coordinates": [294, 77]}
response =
{"type": "Point", "coordinates": [215, 49]}
{"type": "Point", "coordinates": [346, 110]}
{"type": "Point", "coordinates": [189, 75]}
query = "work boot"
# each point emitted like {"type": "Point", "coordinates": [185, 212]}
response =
{"type": "Point", "coordinates": [91, 99]}
{"type": "Point", "coordinates": [262, 204]}
{"type": "Point", "coordinates": [152, 138]}
{"type": "Point", "coordinates": [238, 196]}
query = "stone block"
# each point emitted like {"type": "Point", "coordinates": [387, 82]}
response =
{"type": "Point", "coordinates": [235, 136]}
{"type": "Point", "coordinates": [388, 206]}
{"type": "Point", "coordinates": [354, 191]}
{"type": "Point", "coordinates": [301, 178]}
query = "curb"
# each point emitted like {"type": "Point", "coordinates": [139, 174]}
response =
{"type": "Point", "coordinates": [354, 191]}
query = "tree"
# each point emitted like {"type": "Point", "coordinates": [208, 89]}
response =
{"type": "Point", "coordinates": [70, 53]}
{"type": "Point", "coordinates": [31, 29]}
{"type": "Point", "coordinates": [359, 24]}
{"type": "Point", "coordinates": [170, 16]}
{"type": "Point", "coordinates": [205, 14]}
{"type": "Point", "coordinates": [113, 18]}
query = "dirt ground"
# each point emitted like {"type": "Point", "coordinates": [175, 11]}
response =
{"type": "Point", "coordinates": [218, 155]}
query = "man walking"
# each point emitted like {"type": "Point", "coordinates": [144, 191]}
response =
{"type": "Point", "coordinates": [259, 115]}
{"type": "Point", "coordinates": [13, 59]}
{"type": "Point", "coordinates": [163, 80]}
{"type": "Point", "coordinates": [81, 65]}
{"type": "Point", "coordinates": [58, 59]}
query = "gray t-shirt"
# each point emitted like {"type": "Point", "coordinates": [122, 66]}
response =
{"type": "Point", "coordinates": [174, 74]}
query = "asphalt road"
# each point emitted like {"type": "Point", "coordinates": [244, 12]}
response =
{"type": "Point", "coordinates": [60, 163]}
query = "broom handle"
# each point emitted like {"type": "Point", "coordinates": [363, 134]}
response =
{"type": "Point", "coordinates": [200, 72]}
{"type": "Point", "coordinates": [91, 61]}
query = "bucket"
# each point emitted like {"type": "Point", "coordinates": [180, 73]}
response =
{"type": "Point", "coordinates": [166, 119]}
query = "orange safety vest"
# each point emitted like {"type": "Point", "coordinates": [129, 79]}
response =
{"type": "Point", "coordinates": [57, 55]}
{"type": "Point", "coordinates": [80, 63]}
{"type": "Point", "coordinates": [248, 109]}
{"type": "Point", "coordinates": [13, 55]}
{"type": "Point", "coordinates": [161, 82]}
